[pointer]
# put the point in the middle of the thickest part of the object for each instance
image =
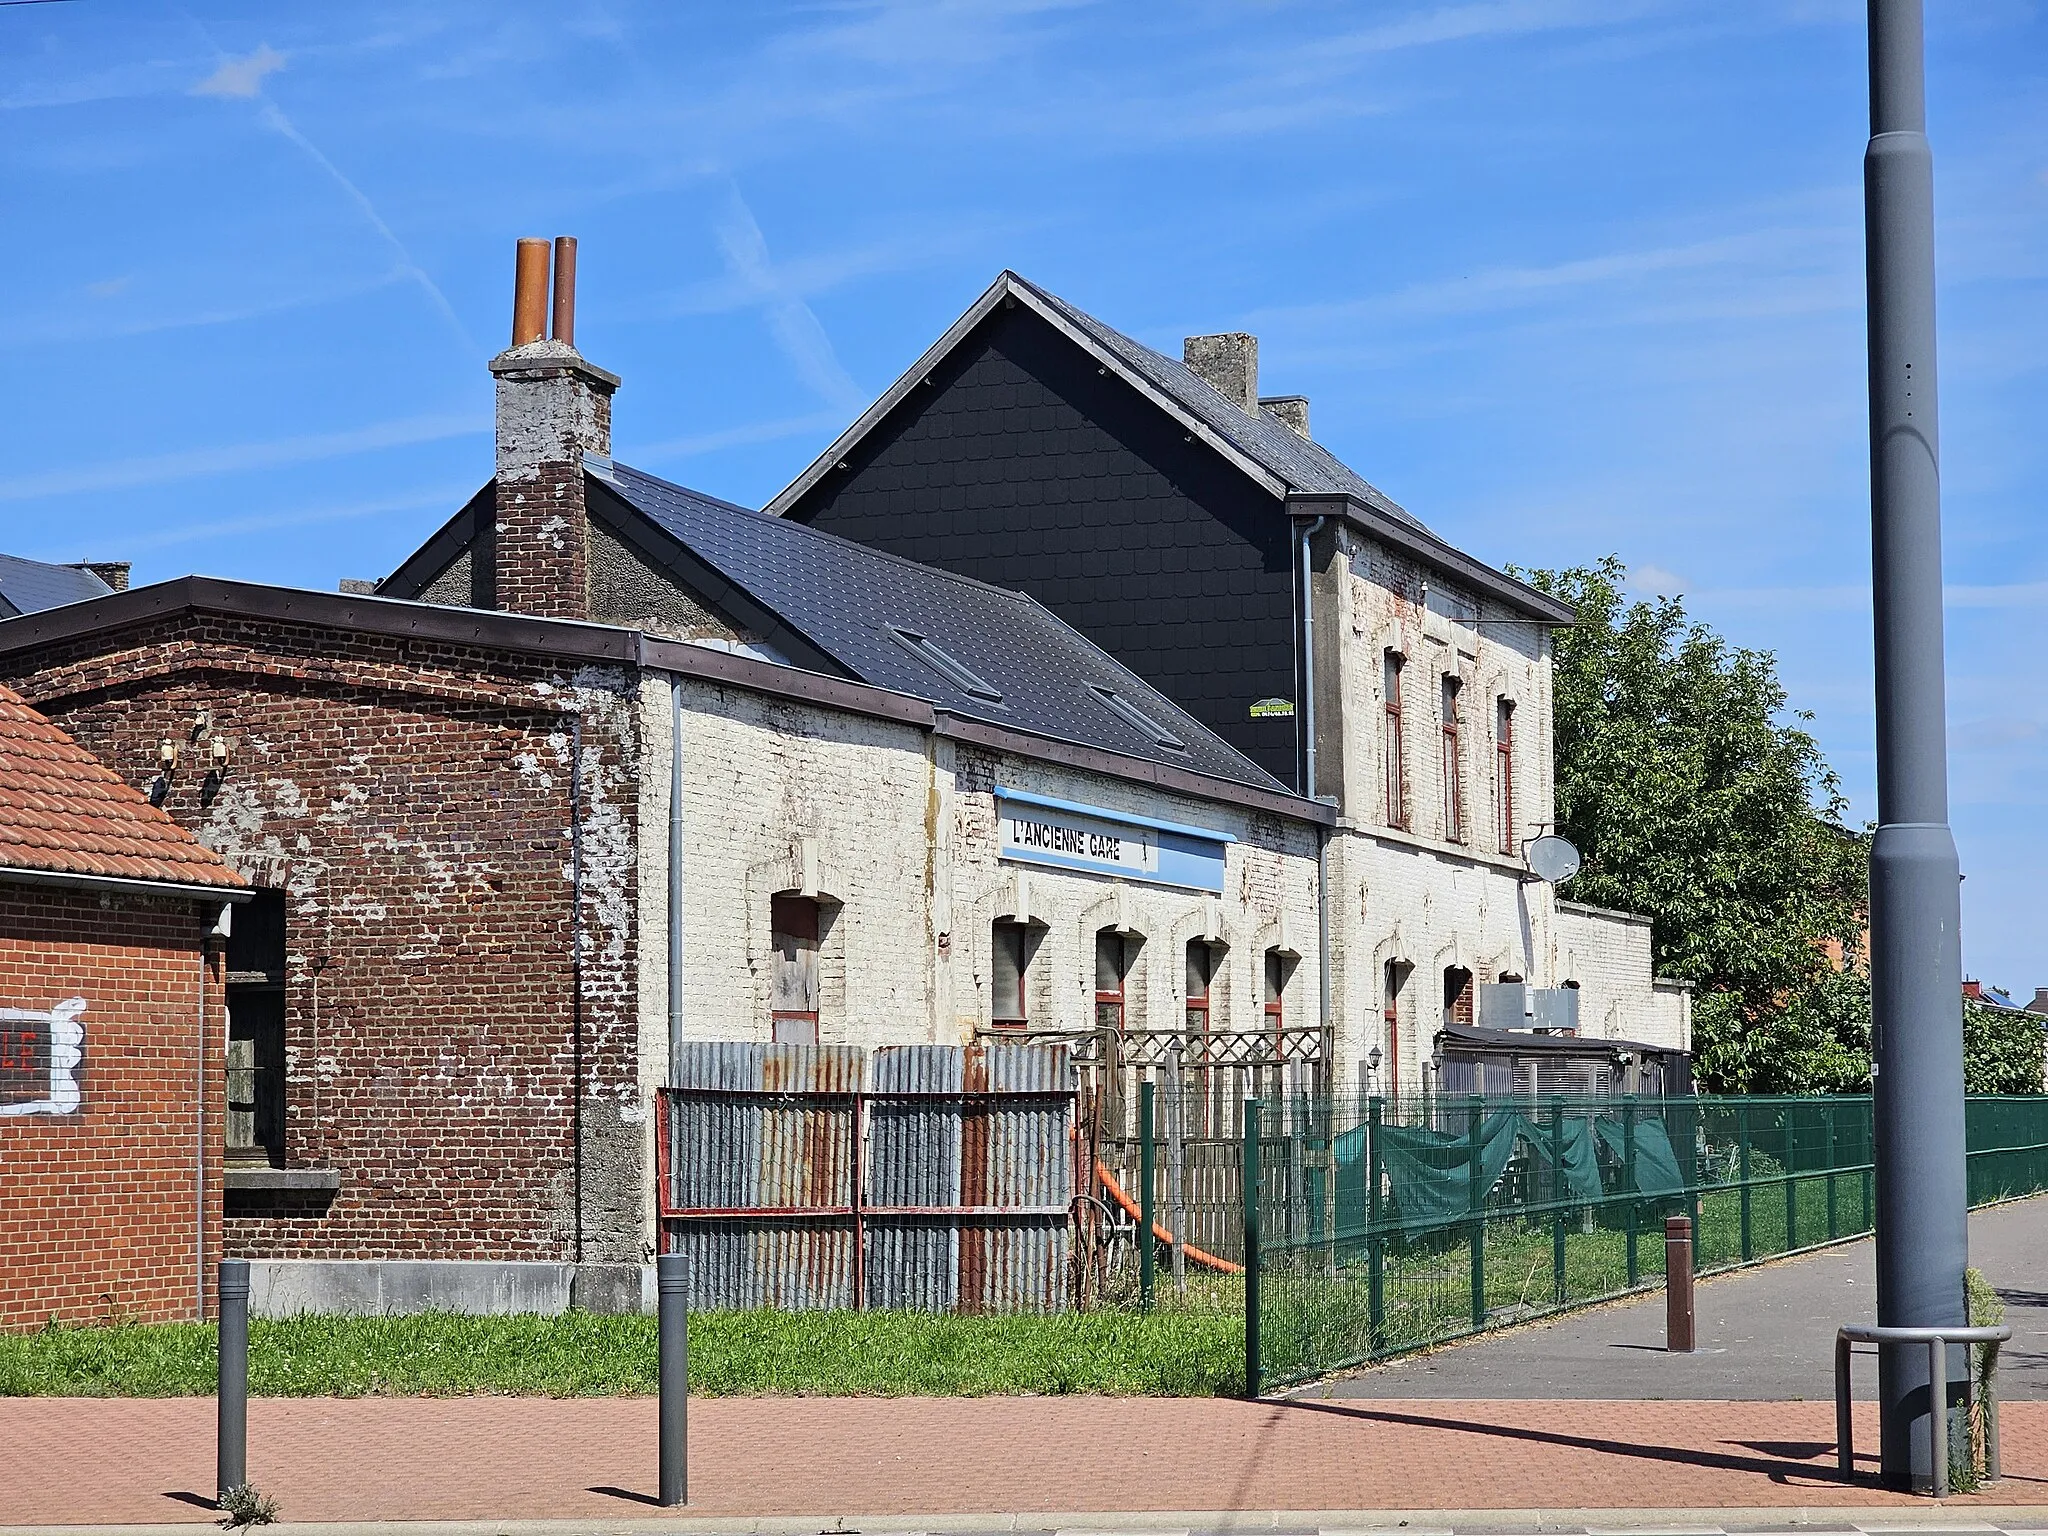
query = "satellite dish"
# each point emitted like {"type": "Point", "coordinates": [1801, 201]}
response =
{"type": "Point", "coordinates": [1552, 859]}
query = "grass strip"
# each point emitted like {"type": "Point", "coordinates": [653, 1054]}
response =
{"type": "Point", "coordinates": [876, 1354]}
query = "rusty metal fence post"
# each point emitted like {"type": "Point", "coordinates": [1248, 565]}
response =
{"type": "Point", "coordinates": [1148, 1167]}
{"type": "Point", "coordinates": [1678, 1309]}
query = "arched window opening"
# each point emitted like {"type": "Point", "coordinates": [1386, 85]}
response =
{"type": "Point", "coordinates": [793, 933]}
{"type": "Point", "coordinates": [1010, 949]}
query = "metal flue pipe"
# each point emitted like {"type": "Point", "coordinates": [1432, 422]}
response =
{"type": "Point", "coordinates": [1915, 901]}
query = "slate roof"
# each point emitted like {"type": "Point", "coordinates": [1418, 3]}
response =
{"type": "Point", "coordinates": [1301, 463]}
{"type": "Point", "coordinates": [29, 586]}
{"type": "Point", "coordinates": [848, 601]}
{"type": "Point", "coordinates": [64, 811]}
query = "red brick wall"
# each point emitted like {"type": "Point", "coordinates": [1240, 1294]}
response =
{"type": "Point", "coordinates": [99, 1208]}
{"type": "Point", "coordinates": [412, 800]}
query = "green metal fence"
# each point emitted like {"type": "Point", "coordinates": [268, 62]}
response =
{"type": "Point", "coordinates": [1384, 1230]}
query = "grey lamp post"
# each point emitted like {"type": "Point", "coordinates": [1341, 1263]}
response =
{"type": "Point", "coordinates": [1915, 905]}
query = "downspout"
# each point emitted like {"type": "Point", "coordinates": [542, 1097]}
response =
{"type": "Point", "coordinates": [1308, 779]}
{"type": "Point", "coordinates": [576, 967]}
{"type": "Point", "coordinates": [675, 875]}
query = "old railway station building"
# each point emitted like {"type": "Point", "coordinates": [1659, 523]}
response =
{"type": "Point", "coordinates": [996, 724]}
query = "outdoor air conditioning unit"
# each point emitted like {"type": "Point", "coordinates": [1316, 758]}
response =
{"type": "Point", "coordinates": [1516, 1005]}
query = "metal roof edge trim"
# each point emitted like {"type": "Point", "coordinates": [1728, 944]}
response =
{"type": "Point", "coordinates": [659, 654]}
{"type": "Point", "coordinates": [1105, 813]}
{"type": "Point", "coordinates": [125, 885]}
{"type": "Point", "coordinates": [1412, 539]}
{"type": "Point", "coordinates": [1116, 765]}
{"type": "Point", "coordinates": [1615, 913]}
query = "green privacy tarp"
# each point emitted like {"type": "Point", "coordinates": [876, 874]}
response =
{"type": "Point", "coordinates": [1581, 1158]}
{"type": "Point", "coordinates": [1656, 1164]}
{"type": "Point", "coordinates": [1430, 1172]}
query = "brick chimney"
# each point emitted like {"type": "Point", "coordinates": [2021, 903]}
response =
{"type": "Point", "coordinates": [113, 572]}
{"type": "Point", "coordinates": [553, 407]}
{"type": "Point", "coordinates": [1229, 363]}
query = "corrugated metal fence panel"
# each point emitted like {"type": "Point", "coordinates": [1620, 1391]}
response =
{"type": "Point", "coordinates": [734, 1144]}
{"type": "Point", "coordinates": [741, 1138]}
{"type": "Point", "coordinates": [914, 1148]}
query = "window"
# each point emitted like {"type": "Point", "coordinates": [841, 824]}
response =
{"type": "Point", "coordinates": [1276, 994]}
{"type": "Point", "coordinates": [1453, 775]}
{"type": "Point", "coordinates": [1202, 958]}
{"type": "Point", "coordinates": [1137, 719]}
{"type": "Point", "coordinates": [1391, 1017]}
{"type": "Point", "coordinates": [255, 1046]}
{"type": "Point", "coordinates": [1393, 750]}
{"type": "Point", "coordinates": [793, 925]}
{"type": "Point", "coordinates": [947, 665]}
{"type": "Point", "coordinates": [1457, 995]}
{"type": "Point", "coordinates": [1504, 774]}
{"type": "Point", "coordinates": [1009, 970]}
{"type": "Point", "coordinates": [1113, 954]}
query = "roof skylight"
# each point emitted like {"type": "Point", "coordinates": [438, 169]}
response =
{"type": "Point", "coordinates": [1137, 719]}
{"type": "Point", "coordinates": [946, 664]}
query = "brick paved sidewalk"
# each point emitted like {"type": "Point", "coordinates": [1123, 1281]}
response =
{"type": "Point", "coordinates": [101, 1461]}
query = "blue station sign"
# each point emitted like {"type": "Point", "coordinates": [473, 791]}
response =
{"type": "Point", "coordinates": [1034, 829]}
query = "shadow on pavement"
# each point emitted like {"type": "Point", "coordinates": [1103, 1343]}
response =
{"type": "Point", "coordinates": [625, 1493]}
{"type": "Point", "coordinates": [1776, 1468]}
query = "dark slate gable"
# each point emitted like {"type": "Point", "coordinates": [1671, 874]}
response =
{"type": "Point", "coordinates": [30, 586]}
{"type": "Point", "coordinates": [1022, 462]}
{"type": "Point", "coordinates": [796, 585]}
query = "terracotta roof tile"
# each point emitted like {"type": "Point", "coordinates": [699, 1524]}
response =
{"type": "Point", "coordinates": [63, 810]}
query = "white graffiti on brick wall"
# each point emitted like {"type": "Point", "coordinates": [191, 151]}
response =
{"type": "Point", "coordinates": [40, 1052]}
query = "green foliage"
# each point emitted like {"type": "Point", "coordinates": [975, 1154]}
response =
{"type": "Point", "coordinates": [2002, 1051]}
{"type": "Point", "coordinates": [1184, 1353]}
{"type": "Point", "coordinates": [1698, 801]}
{"type": "Point", "coordinates": [245, 1505]}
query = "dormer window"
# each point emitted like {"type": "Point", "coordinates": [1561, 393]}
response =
{"type": "Point", "coordinates": [946, 664]}
{"type": "Point", "coordinates": [1137, 719]}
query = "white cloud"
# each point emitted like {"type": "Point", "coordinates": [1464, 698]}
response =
{"type": "Point", "coordinates": [239, 79]}
{"type": "Point", "coordinates": [235, 458]}
{"type": "Point", "coordinates": [791, 322]}
{"type": "Point", "coordinates": [737, 437]}
{"type": "Point", "coordinates": [110, 287]}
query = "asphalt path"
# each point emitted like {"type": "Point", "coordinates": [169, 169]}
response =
{"type": "Point", "coordinates": [1764, 1334]}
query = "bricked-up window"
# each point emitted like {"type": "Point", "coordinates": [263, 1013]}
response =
{"type": "Point", "coordinates": [1202, 959]}
{"type": "Point", "coordinates": [256, 1087]}
{"type": "Point", "coordinates": [1457, 995]}
{"type": "Point", "coordinates": [1009, 970]}
{"type": "Point", "coordinates": [1113, 955]}
{"type": "Point", "coordinates": [1453, 765]}
{"type": "Point", "coordinates": [793, 924]}
{"type": "Point", "coordinates": [1277, 967]}
{"type": "Point", "coordinates": [1504, 774]}
{"type": "Point", "coordinates": [1393, 747]}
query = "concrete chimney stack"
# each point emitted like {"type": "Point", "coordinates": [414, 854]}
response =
{"type": "Point", "coordinates": [1229, 364]}
{"type": "Point", "coordinates": [553, 408]}
{"type": "Point", "coordinates": [1291, 411]}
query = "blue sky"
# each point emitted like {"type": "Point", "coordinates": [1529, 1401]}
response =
{"type": "Point", "coordinates": [1566, 277]}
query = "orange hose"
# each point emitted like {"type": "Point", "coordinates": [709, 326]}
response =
{"type": "Point", "coordinates": [1116, 1193]}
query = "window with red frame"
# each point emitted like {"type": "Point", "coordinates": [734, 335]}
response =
{"type": "Point", "coordinates": [1276, 994]}
{"type": "Point", "coordinates": [793, 932]}
{"type": "Point", "coordinates": [1113, 954]}
{"type": "Point", "coordinates": [1391, 1017]}
{"type": "Point", "coordinates": [1393, 746]}
{"type": "Point", "coordinates": [1504, 774]}
{"type": "Point", "coordinates": [1453, 767]}
{"type": "Point", "coordinates": [1202, 958]}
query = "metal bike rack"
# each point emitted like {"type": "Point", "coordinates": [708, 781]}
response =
{"type": "Point", "coordinates": [1937, 1341]}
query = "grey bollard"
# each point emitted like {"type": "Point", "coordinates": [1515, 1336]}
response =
{"type": "Point", "coordinates": [672, 1280]}
{"type": "Point", "coordinates": [1678, 1310]}
{"type": "Point", "coordinates": [231, 1428]}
